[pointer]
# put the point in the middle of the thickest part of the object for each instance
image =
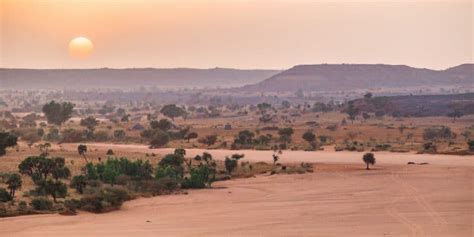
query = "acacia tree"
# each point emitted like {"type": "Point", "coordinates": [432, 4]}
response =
{"type": "Point", "coordinates": [163, 124]}
{"type": "Point", "coordinates": [6, 140]}
{"type": "Point", "coordinates": [310, 138]}
{"type": "Point", "coordinates": [14, 182]}
{"type": "Point", "coordinates": [285, 134]}
{"type": "Point", "coordinates": [90, 123]}
{"type": "Point", "coordinates": [369, 159]}
{"type": "Point", "coordinates": [172, 111]}
{"type": "Point", "coordinates": [352, 111]}
{"type": "Point", "coordinates": [191, 135]}
{"type": "Point", "coordinates": [55, 189]}
{"type": "Point", "coordinates": [58, 113]}
{"type": "Point", "coordinates": [208, 140]}
{"type": "Point", "coordinates": [82, 150]}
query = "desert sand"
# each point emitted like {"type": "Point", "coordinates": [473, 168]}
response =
{"type": "Point", "coordinates": [339, 199]}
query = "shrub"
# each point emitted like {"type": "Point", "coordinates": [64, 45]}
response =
{"type": "Point", "coordinates": [22, 207]}
{"type": "Point", "coordinates": [244, 138]}
{"type": "Point", "coordinates": [114, 167]}
{"type": "Point", "coordinates": [41, 204]}
{"type": "Point", "coordinates": [437, 133]}
{"type": "Point", "coordinates": [104, 200]}
{"type": "Point", "coordinates": [168, 171]}
{"type": "Point", "coordinates": [4, 195]}
{"type": "Point", "coordinates": [198, 178]}
{"type": "Point", "coordinates": [79, 182]}
{"type": "Point", "coordinates": [285, 134]}
{"type": "Point", "coordinates": [53, 135]}
{"type": "Point", "coordinates": [430, 147]}
{"type": "Point", "coordinates": [101, 136]}
{"type": "Point", "coordinates": [71, 135]}
{"type": "Point", "coordinates": [470, 144]}
{"type": "Point", "coordinates": [70, 207]}
{"type": "Point", "coordinates": [230, 164]}
{"type": "Point", "coordinates": [110, 152]}
{"type": "Point", "coordinates": [119, 134]}
{"type": "Point", "coordinates": [208, 140]}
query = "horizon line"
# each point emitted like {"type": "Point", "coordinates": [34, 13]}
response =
{"type": "Point", "coordinates": [226, 68]}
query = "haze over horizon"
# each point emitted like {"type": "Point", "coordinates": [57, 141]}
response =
{"type": "Point", "coordinates": [236, 34]}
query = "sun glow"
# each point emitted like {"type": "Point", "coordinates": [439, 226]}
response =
{"type": "Point", "coordinates": [80, 47]}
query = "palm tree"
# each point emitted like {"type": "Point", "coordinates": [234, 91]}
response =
{"type": "Point", "coordinates": [82, 150]}
{"type": "Point", "coordinates": [369, 159]}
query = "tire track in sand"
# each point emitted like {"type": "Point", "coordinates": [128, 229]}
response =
{"type": "Point", "coordinates": [411, 192]}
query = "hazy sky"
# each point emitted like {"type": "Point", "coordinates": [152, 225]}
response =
{"type": "Point", "coordinates": [236, 33]}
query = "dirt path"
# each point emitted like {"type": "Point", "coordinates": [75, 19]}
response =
{"type": "Point", "coordinates": [335, 200]}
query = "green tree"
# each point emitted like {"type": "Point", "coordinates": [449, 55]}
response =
{"type": "Point", "coordinates": [191, 135]}
{"type": "Point", "coordinates": [58, 113]}
{"type": "Point", "coordinates": [369, 159]}
{"type": "Point", "coordinates": [6, 140]}
{"type": "Point", "coordinates": [60, 171]}
{"type": "Point", "coordinates": [79, 182]}
{"type": "Point", "coordinates": [14, 183]}
{"type": "Point", "coordinates": [310, 137]}
{"type": "Point", "coordinates": [244, 137]}
{"type": "Point", "coordinates": [352, 111]}
{"type": "Point", "coordinates": [37, 167]}
{"type": "Point", "coordinates": [208, 140]}
{"type": "Point", "coordinates": [159, 138]}
{"type": "Point", "coordinates": [55, 189]}
{"type": "Point", "coordinates": [163, 124]}
{"type": "Point", "coordinates": [285, 134]}
{"type": "Point", "coordinates": [172, 111]}
{"type": "Point", "coordinates": [90, 123]}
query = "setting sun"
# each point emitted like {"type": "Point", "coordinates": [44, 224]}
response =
{"type": "Point", "coordinates": [80, 47]}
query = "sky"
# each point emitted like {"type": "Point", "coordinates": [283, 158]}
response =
{"type": "Point", "coordinates": [270, 34]}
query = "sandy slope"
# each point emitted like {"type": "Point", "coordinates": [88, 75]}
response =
{"type": "Point", "coordinates": [339, 199]}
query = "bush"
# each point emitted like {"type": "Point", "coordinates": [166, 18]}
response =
{"type": "Point", "coordinates": [71, 135]}
{"type": "Point", "coordinates": [430, 147]}
{"type": "Point", "coordinates": [470, 144]}
{"type": "Point", "coordinates": [104, 200]}
{"type": "Point", "coordinates": [208, 140]}
{"type": "Point", "coordinates": [101, 136]}
{"type": "Point", "coordinates": [198, 178]}
{"type": "Point", "coordinates": [22, 207]}
{"type": "Point", "coordinates": [4, 195]}
{"type": "Point", "coordinates": [114, 167]}
{"type": "Point", "coordinates": [78, 182]}
{"type": "Point", "coordinates": [41, 204]}
{"type": "Point", "coordinates": [70, 207]}
{"type": "Point", "coordinates": [437, 133]}
{"type": "Point", "coordinates": [168, 171]}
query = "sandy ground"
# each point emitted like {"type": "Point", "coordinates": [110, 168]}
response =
{"type": "Point", "coordinates": [339, 199]}
{"type": "Point", "coordinates": [327, 156]}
